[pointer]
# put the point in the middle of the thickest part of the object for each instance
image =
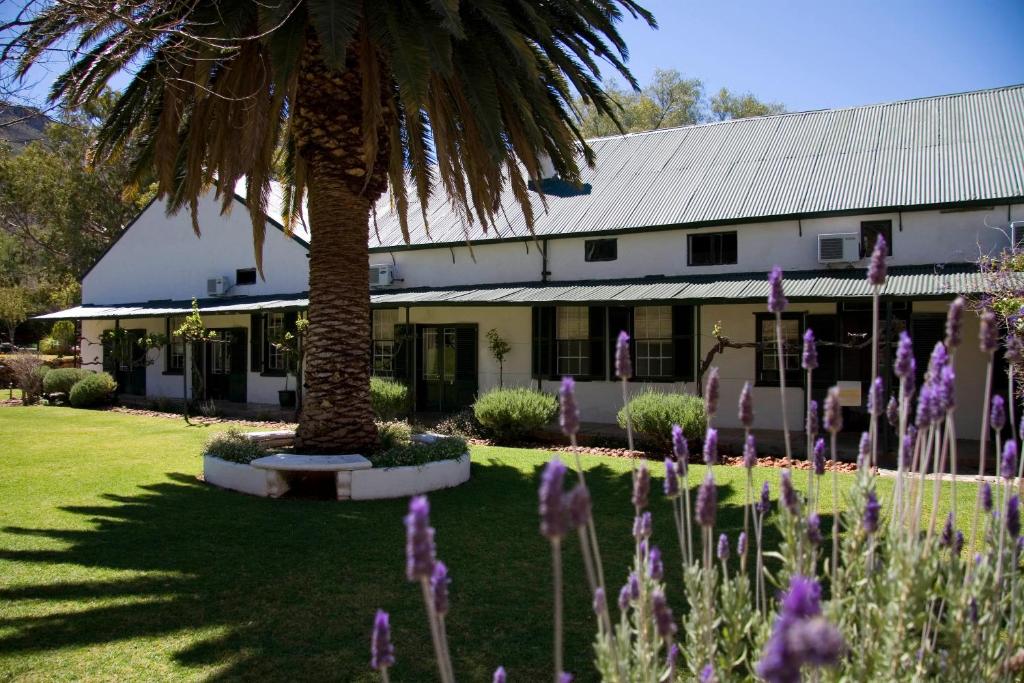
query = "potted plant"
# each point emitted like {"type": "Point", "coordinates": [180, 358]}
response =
{"type": "Point", "coordinates": [291, 345]}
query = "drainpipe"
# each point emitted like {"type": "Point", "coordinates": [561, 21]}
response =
{"type": "Point", "coordinates": [544, 272]}
{"type": "Point", "coordinates": [410, 341]}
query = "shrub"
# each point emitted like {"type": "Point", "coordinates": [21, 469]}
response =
{"type": "Point", "coordinates": [93, 390]}
{"type": "Point", "coordinates": [462, 423]}
{"type": "Point", "coordinates": [416, 454]}
{"type": "Point", "coordinates": [654, 412]}
{"type": "Point", "coordinates": [61, 380]}
{"type": "Point", "coordinates": [233, 446]}
{"type": "Point", "coordinates": [394, 433]}
{"type": "Point", "coordinates": [65, 335]}
{"type": "Point", "coordinates": [515, 413]}
{"type": "Point", "coordinates": [388, 398]}
{"type": "Point", "coordinates": [27, 371]}
{"type": "Point", "coordinates": [51, 346]}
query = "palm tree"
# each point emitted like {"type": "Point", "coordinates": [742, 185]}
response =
{"type": "Point", "coordinates": [362, 97]}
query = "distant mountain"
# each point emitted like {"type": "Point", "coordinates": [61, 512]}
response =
{"type": "Point", "coordinates": [21, 125]}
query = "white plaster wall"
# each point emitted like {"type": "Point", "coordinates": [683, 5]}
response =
{"type": "Point", "coordinates": [159, 257]}
{"type": "Point", "coordinates": [927, 237]}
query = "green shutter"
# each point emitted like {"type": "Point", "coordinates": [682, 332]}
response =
{"type": "Point", "coordinates": [256, 342]}
{"type": "Point", "coordinates": [598, 341]}
{"type": "Point", "coordinates": [543, 366]}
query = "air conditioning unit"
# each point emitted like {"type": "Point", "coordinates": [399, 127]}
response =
{"type": "Point", "coordinates": [217, 286]}
{"type": "Point", "coordinates": [382, 275]}
{"type": "Point", "coordinates": [839, 247]}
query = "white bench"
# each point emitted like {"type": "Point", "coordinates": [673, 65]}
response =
{"type": "Point", "coordinates": [278, 465]}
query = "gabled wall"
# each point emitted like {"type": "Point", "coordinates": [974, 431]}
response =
{"type": "Point", "coordinates": [159, 257]}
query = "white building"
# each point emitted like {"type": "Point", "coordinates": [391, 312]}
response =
{"type": "Point", "coordinates": [672, 235]}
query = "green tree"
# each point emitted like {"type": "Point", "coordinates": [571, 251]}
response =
{"type": "Point", "coordinates": [499, 348]}
{"type": "Point", "coordinates": [726, 105]}
{"type": "Point", "coordinates": [361, 95]}
{"type": "Point", "coordinates": [14, 308]}
{"type": "Point", "coordinates": [668, 100]}
{"type": "Point", "coordinates": [193, 333]}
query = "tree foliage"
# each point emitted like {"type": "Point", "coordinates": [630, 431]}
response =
{"type": "Point", "coordinates": [726, 105]}
{"type": "Point", "coordinates": [14, 308]}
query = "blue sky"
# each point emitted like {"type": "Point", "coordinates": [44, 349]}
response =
{"type": "Point", "coordinates": [814, 54]}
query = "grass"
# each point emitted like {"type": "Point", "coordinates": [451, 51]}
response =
{"type": "Point", "coordinates": [116, 563]}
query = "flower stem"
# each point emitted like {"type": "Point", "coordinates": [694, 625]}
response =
{"type": "Point", "coordinates": [835, 517]}
{"type": "Point", "coordinates": [982, 447]}
{"type": "Point", "coordinates": [782, 387]}
{"type": "Point", "coordinates": [435, 631]}
{"type": "Point", "coordinates": [556, 566]}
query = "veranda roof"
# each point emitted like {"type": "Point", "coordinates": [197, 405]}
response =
{"type": "Point", "coordinates": [903, 282]}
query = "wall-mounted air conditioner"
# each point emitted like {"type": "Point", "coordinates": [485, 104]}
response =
{"type": "Point", "coordinates": [839, 247]}
{"type": "Point", "coordinates": [217, 286]}
{"type": "Point", "coordinates": [382, 275]}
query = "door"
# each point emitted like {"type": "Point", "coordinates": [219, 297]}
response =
{"type": "Point", "coordinates": [127, 363]}
{"type": "Point", "coordinates": [225, 365]}
{"type": "Point", "coordinates": [447, 362]}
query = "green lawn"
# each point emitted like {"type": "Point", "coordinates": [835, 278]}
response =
{"type": "Point", "coordinates": [117, 564]}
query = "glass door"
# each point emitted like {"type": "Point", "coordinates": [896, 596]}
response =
{"type": "Point", "coordinates": [447, 362]}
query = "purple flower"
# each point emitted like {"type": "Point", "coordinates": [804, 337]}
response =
{"type": "Point", "coordinates": [655, 567]}
{"type": "Point", "coordinates": [641, 487]}
{"type": "Point", "coordinates": [811, 425]}
{"type": "Point", "coordinates": [908, 446]}
{"type": "Point", "coordinates": [1014, 352]}
{"type": "Point", "coordinates": [382, 654]}
{"type": "Point", "coordinates": [746, 406]}
{"type": "Point", "coordinates": [439, 588]}
{"type": "Point", "coordinates": [711, 447]}
{"type": "Point", "coordinates": [946, 540]}
{"type": "Point", "coordinates": [642, 526]}
{"type": "Point", "coordinates": [816, 642]}
{"type": "Point", "coordinates": [679, 447]}
{"type": "Point", "coordinates": [776, 299]}
{"type": "Point", "coordinates": [569, 418]}
{"type": "Point", "coordinates": [670, 661]}
{"type": "Point", "coordinates": [871, 512]}
{"type": "Point", "coordinates": [938, 360]}
{"type": "Point", "coordinates": [799, 636]}
{"type": "Point", "coordinates": [663, 619]}
{"type": "Point", "coordinates": [499, 675]}
{"type": "Point", "coordinates": [904, 364]}
{"type": "Point", "coordinates": [988, 333]}
{"type": "Point", "coordinates": [578, 506]}
{"type": "Point", "coordinates": [863, 450]}
{"type": "Point", "coordinates": [707, 674]}
{"type": "Point", "coordinates": [809, 360]}
{"type": "Point", "coordinates": [741, 544]}
{"type": "Point", "coordinates": [997, 416]}
{"type": "Point", "coordinates": [876, 397]}
{"type": "Point", "coordinates": [671, 479]}
{"type": "Point", "coordinates": [711, 393]}
{"type": "Point", "coordinates": [749, 452]}
{"type": "Point", "coordinates": [954, 323]}
{"type": "Point", "coordinates": [420, 554]}
{"type": "Point", "coordinates": [819, 457]}
{"type": "Point", "coordinates": [634, 586]}
{"type": "Point", "coordinates": [1009, 463]}
{"type": "Point", "coordinates": [876, 267]}
{"type": "Point", "coordinates": [833, 411]}
{"type": "Point", "coordinates": [986, 496]}
{"type": "Point", "coordinates": [707, 502]}
{"type": "Point", "coordinates": [925, 401]}
{"type": "Point", "coordinates": [814, 528]}
{"type": "Point", "coordinates": [789, 496]}
{"type": "Point", "coordinates": [765, 503]}
{"type": "Point", "coordinates": [599, 600]}
{"type": "Point", "coordinates": [723, 547]}
{"type": "Point", "coordinates": [1013, 516]}
{"type": "Point", "coordinates": [892, 412]}
{"type": "Point", "coordinates": [623, 362]}
{"type": "Point", "coordinates": [624, 598]}
{"type": "Point", "coordinates": [565, 677]}
{"type": "Point", "coordinates": [552, 505]}
{"type": "Point", "coordinates": [958, 543]}
{"type": "Point", "coordinates": [945, 390]}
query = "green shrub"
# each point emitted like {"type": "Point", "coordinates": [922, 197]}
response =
{"type": "Point", "coordinates": [61, 380]}
{"type": "Point", "coordinates": [462, 423]}
{"type": "Point", "coordinates": [416, 454]}
{"type": "Point", "coordinates": [654, 412]}
{"type": "Point", "coordinates": [51, 346]}
{"type": "Point", "coordinates": [388, 398]}
{"type": "Point", "coordinates": [394, 433]}
{"type": "Point", "coordinates": [515, 413]}
{"type": "Point", "coordinates": [92, 390]}
{"type": "Point", "coordinates": [233, 446]}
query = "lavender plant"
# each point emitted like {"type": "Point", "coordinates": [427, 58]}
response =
{"type": "Point", "coordinates": [898, 600]}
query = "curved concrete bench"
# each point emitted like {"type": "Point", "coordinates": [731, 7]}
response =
{"type": "Point", "coordinates": [279, 465]}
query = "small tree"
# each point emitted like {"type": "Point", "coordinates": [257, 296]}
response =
{"type": "Point", "coordinates": [499, 348]}
{"type": "Point", "coordinates": [14, 305]}
{"type": "Point", "coordinates": [192, 332]}
{"type": "Point", "coordinates": [64, 333]}
{"type": "Point", "coordinates": [293, 346]}
{"type": "Point", "coordinates": [26, 371]}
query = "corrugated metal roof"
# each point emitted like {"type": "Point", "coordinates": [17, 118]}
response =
{"type": "Point", "coordinates": [163, 308]}
{"type": "Point", "coordinates": [952, 149]}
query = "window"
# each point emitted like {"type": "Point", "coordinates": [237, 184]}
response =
{"type": "Point", "coordinates": [601, 250]}
{"type": "Point", "coordinates": [712, 248]}
{"type": "Point", "coordinates": [655, 348]}
{"type": "Point", "coordinates": [869, 232]}
{"type": "Point", "coordinates": [275, 358]}
{"type": "Point", "coordinates": [572, 332]}
{"type": "Point", "coordinates": [245, 276]}
{"type": "Point", "coordinates": [767, 353]}
{"type": "Point", "coordinates": [220, 357]}
{"type": "Point", "coordinates": [175, 346]}
{"type": "Point", "coordinates": [384, 321]}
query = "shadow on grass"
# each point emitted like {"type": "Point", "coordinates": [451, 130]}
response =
{"type": "Point", "coordinates": [273, 590]}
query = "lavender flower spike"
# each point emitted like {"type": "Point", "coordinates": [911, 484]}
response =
{"type": "Point", "coordinates": [749, 452]}
{"type": "Point", "coordinates": [863, 450]}
{"type": "Point", "coordinates": [642, 526]}
{"type": "Point", "coordinates": [569, 418]}
{"type": "Point", "coordinates": [776, 298]}
{"type": "Point", "coordinates": [439, 588]}
{"type": "Point", "coordinates": [679, 447]}
{"type": "Point", "coordinates": [876, 267]}
{"type": "Point", "coordinates": [765, 503]}
{"type": "Point", "coordinates": [800, 635]}
{"type": "Point", "coordinates": [723, 548]}
{"type": "Point", "coordinates": [663, 619]}
{"type": "Point", "coordinates": [988, 333]}
{"type": "Point", "coordinates": [670, 661]}
{"type": "Point", "coordinates": [578, 506]}
{"type": "Point", "coordinates": [819, 457]}
{"type": "Point", "coordinates": [1009, 463]}
{"type": "Point", "coordinates": [553, 515]}
{"type": "Point", "coordinates": [954, 323]}
{"type": "Point", "coordinates": [871, 512]}
{"type": "Point", "coordinates": [789, 495]}
{"type": "Point", "coordinates": [1013, 516]}
{"type": "Point", "coordinates": [711, 392]}
{"type": "Point", "coordinates": [986, 496]}
{"type": "Point", "coordinates": [624, 598]}
{"type": "Point", "coordinates": [1014, 349]}
{"type": "Point", "coordinates": [746, 406]}
{"type": "Point", "coordinates": [814, 528]}
{"type": "Point", "coordinates": [903, 365]}
{"type": "Point", "coordinates": [997, 416]}
{"type": "Point", "coordinates": [711, 447]}
{"type": "Point", "coordinates": [833, 411]}
{"type": "Point", "coordinates": [623, 362]}
{"type": "Point", "coordinates": [707, 674]}
{"type": "Point", "coordinates": [946, 540]}
{"type": "Point", "coordinates": [892, 412]}
{"type": "Point", "coordinates": [382, 654]}
{"type": "Point", "coordinates": [420, 554]}
{"type": "Point", "coordinates": [671, 479]}
{"type": "Point", "coordinates": [499, 675]}
{"type": "Point", "coordinates": [809, 360]}
{"type": "Point", "coordinates": [876, 397]}
{"type": "Point", "coordinates": [599, 600]}
{"type": "Point", "coordinates": [641, 487]}
{"type": "Point", "coordinates": [707, 502]}
{"type": "Point", "coordinates": [812, 419]}
{"type": "Point", "coordinates": [655, 567]}
{"type": "Point", "coordinates": [741, 544]}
